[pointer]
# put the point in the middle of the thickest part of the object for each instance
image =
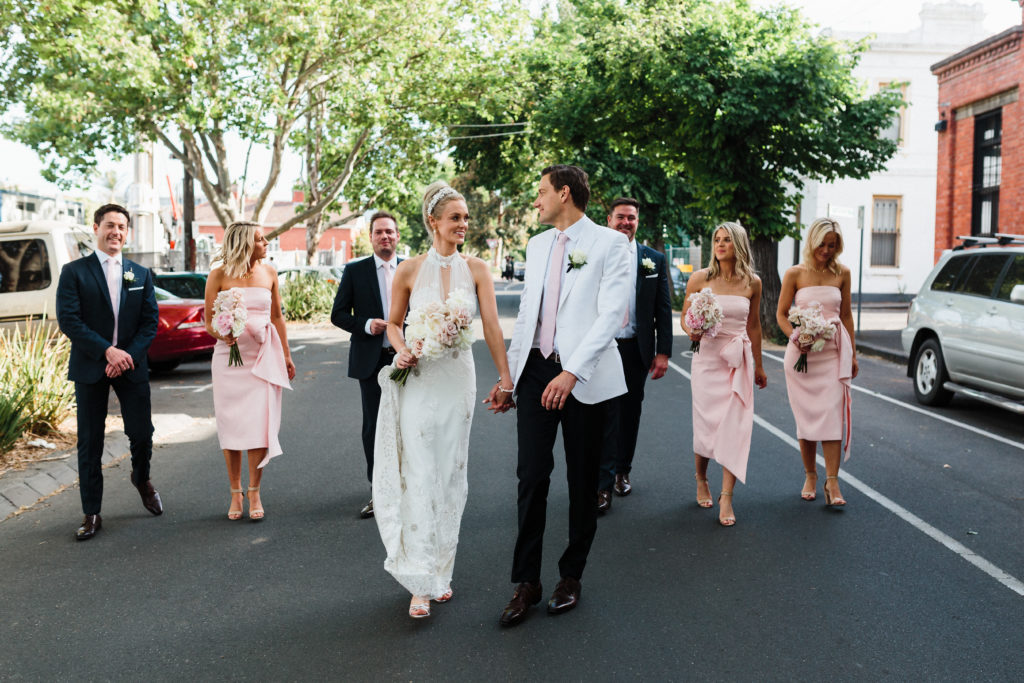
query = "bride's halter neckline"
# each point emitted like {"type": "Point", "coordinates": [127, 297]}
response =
{"type": "Point", "coordinates": [443, 261]}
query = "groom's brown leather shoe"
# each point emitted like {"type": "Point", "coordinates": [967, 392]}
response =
{"type": "Point", "coordinates": [604, 502]}
{"type": "Point", "coordinates": [367, 510]}
{"type": "Point", "coordinates": [526, 595]}
{"type": "Point", "coordinates": [565, 597]}
{"type": "Point", "coordinates": [622, 485]}
{"type": "Point", "coordinates": [150, 498]}
{"type": "Point", "coordinates": [90, 525]}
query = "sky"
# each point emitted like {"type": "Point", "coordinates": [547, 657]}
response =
{"type": "Point", "coordinates": [22, 167]}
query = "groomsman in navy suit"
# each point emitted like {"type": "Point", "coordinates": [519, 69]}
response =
{"type": "Point", "coordinates": [645, 345]}
{"type": "Point", "coordinates": [361, 309]}
{"type": "Point", "coordinates": [107, 308]}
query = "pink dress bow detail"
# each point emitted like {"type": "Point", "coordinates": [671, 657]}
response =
{"type": "Point", "coordinates": [737, 355]}
{"type": "Point", "coordinates": [270, 365]}
{"type": "Point", "coordinates": [845, 376]}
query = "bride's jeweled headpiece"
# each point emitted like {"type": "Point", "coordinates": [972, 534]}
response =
{"type": "Point", "coordinates": [445, 191]}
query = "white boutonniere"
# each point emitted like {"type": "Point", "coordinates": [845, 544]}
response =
{"type": "Point", "coordinates": [129, 276]}
{"type": "Point", "coordinates": [577, 259]}
{"type": "Point", "coordinates": [648, 265]}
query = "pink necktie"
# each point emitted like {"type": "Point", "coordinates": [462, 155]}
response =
{"type": "Point", "coordinates": [113, 272]}
{"type": "Point", "coordinates": [387, 286]}
{"type": "Point", "coordinates": [551, 292]}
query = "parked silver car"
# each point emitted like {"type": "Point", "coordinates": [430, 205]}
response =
{"type": "Point", "coordinates": [965, 329]}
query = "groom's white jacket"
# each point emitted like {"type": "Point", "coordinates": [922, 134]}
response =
{"type": "Point", "coordinates": [591, 305]}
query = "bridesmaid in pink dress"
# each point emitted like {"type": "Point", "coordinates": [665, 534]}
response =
{"type": "Point", "coordinates": [247, 398]}
{"type": "Point", "coordinates": [820, 397]}
{"type": "Point", "coordinates": [728, 365]}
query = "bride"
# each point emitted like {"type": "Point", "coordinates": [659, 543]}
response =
{"type": "Point", "coordinates": [422, 441]}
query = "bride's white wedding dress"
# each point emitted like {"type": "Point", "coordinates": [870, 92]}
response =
{"type": "Point", "coordinates": [421, 449]}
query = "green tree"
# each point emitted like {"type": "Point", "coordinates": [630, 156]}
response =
{"type": "Point", "coordinates": [747, 104]}
{"type": "Point", "coordinates": [359, 79]}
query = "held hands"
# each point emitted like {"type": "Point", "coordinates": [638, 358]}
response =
{"type": "Point", "coordinates": [760, 378]}
{"type": "Point", "coordinates": [556, 393]}
{"type": "Point", "coordinates": [500, 399]}
{"type": "Point", "coordinates": [378, 326]}
{"type": "Point", "coordinates": [118, 362]}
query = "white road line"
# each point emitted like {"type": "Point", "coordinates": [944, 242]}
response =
{"type": "Point", "coordinates": [202, 388]}
{"type": "Point", "coordinates": [298, 348]}
{"type": "Point", "coordinates": [922, 411]}
{"type": "Point", "coordinates": [960, 549]}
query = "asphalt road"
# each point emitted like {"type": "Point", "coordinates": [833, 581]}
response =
{"type": "Point", "coordinates": [918, 578]}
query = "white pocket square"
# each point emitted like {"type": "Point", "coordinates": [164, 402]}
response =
{"type": "Point", "coordinates": [651, 275]}
{"type": "Point", "coordinates": [135, 289]}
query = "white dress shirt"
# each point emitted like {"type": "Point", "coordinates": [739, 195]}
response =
{"type": "Point", "coordinates": [629, 331]}
{"type": "Point", "coordinates": [385, 292]}
{"type": "Point", "coordinates": [105, 260]}
{"type": "Point", "coordinates": [573, 234]}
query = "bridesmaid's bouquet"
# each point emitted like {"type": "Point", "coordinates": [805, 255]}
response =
{"type": "Point", "coordinates": [704, 314]}
{"type": "Point", "coordinates": [810, 331]}
{"type": "Point", "coordinates": [435, 328]}
{"type": "Point", "coordinates": [229, 316]}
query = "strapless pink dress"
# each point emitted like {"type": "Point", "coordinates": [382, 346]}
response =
{"type": "Point", "coordinates": [247, 398]}
{"type": "Point", "coordinates": [820, 398]}
{"type": "Point", "coordinates": [722, 383]}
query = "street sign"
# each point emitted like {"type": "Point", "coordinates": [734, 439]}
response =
{"type": "Point", "coordinates": [841, 211]}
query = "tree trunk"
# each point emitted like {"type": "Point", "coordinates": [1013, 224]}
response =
{"type": "Point", "coordinates": [766, 261]}
{"type": "Point", "coordinates": [313, 232]}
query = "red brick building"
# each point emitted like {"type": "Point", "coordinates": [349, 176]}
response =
{"type": "Point", "coordinates": [289, 248]}
{"type": "Point", "coordinates": [980, 182]}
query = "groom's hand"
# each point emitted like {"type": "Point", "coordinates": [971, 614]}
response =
{"type": "Point", "coordinates": [557, 391]}
{"type": "Point", "coordinates": [378, 326]}
{"type": "Point", "coordinates": [499, 401]}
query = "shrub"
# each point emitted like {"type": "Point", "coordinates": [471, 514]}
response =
{"type": "Point", "coordinates": [36, 362]}
{"type": "Point", "coordinates": [13, 416]}
{"type": "Point", "coordinates": [307, 297]}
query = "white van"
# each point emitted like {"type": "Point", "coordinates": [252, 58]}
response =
{"type": "Point", "coordinates": [32, 254]}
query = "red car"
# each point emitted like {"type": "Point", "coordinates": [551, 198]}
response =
{"type": "Point", "coordinates": [180, 334]}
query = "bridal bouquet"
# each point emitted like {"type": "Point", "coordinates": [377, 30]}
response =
{"type": "Point", "coordinates": [434, 328]}
{"type": "Point", "coordinates": [810, 331]}
{"type": "Point", "coordinates": [229, 316]}
{"type": "Point", "coordinates": [704, 314]}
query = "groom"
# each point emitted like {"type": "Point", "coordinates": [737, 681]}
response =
{"type": "Point", "coordinates": [566, 367]}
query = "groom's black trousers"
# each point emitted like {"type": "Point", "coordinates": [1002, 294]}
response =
{"type": "Point", "coordinates": [582, 429]}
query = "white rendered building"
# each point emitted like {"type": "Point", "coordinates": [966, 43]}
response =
{"type": "Point", "coordinates": [899, 203]}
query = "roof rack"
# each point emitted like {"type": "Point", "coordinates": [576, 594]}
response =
{"type": "Point", "coordinates": [1001, 239]}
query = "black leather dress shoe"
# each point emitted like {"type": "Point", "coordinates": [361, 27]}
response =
{"type": "Point", "coordinates": [90, 525]}
{"type": "Point", "coordinates": [565, 597]}
{"type": "Point", "coordinates": [526, 595]}
{"type": "Point", "coordinates": [150, 498]}
{"type": "Point", "coordinates": [622, 485]}
{"type": "Point", "coordinates": [367, 510]}
{"type": "Point", "coordinates": [604, 501]}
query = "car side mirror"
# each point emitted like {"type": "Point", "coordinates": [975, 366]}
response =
{"type": "Point", "coordinates": [1017, 294]}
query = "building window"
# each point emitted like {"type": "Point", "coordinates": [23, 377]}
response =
{"type": "Point", "coordinates": [885, 231]}
{"type": "Point", "coordinates": [897, 130]}
{"type": "Point", "coordinates": [988, 172]}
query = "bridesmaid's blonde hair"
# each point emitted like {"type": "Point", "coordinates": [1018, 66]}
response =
{"type": "Point", "coordinates": [816, 235]}
{"type": "Point", "coordinates": [444, 193]}
{"type": "Point", "coordinates": [741, 247]}
{"type": "Point", "coordinates": [236, 252]}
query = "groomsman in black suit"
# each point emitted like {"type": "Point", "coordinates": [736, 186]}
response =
{"type": "Point", "coordinates": [645, 345]}
{"type": "Point", "coordinates": [107, 308]}
{"type": "Point", "coordinates": [361, 308]}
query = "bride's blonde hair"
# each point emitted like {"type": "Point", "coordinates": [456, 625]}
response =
{"type": "Point", "coordinates": [236, 252]}
{"type": "Point", "coordinates": [433, 208]}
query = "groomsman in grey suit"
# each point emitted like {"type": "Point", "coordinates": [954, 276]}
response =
{"type": "Point", "coordinates": [645, 345]}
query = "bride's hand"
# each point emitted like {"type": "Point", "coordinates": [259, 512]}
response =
{"type": "Point", "coordinates": [500, 401]}
{"type": "Point", "coordinates": [405, 359]}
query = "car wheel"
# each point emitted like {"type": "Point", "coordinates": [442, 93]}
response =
{"type": "Point", "coordinates": [930, 375]}
{"type": "Point", "coordinates": [162, 366]}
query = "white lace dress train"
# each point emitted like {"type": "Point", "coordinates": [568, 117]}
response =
{"type": "Point", "coordinates": [421, 450]}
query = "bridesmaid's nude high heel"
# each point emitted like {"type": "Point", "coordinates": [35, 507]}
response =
{"type": "Point", "coordinates": [255, 514]}
{"type": "Point", "coordinates": [812, 480]}
{"type": "Point", "coordinates": [703, 502]}
{"type": "Point", "coordinates": [726, 521]}
{"type": "Point", "coordinates": [234, 514]}
{"type": "Point", "coordinates": [838, 501]}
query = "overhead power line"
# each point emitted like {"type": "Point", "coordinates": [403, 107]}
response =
{"type": "Point", "coordinates": [485, 125]}
{"type": "Point", "coordinates": [488, 135]}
